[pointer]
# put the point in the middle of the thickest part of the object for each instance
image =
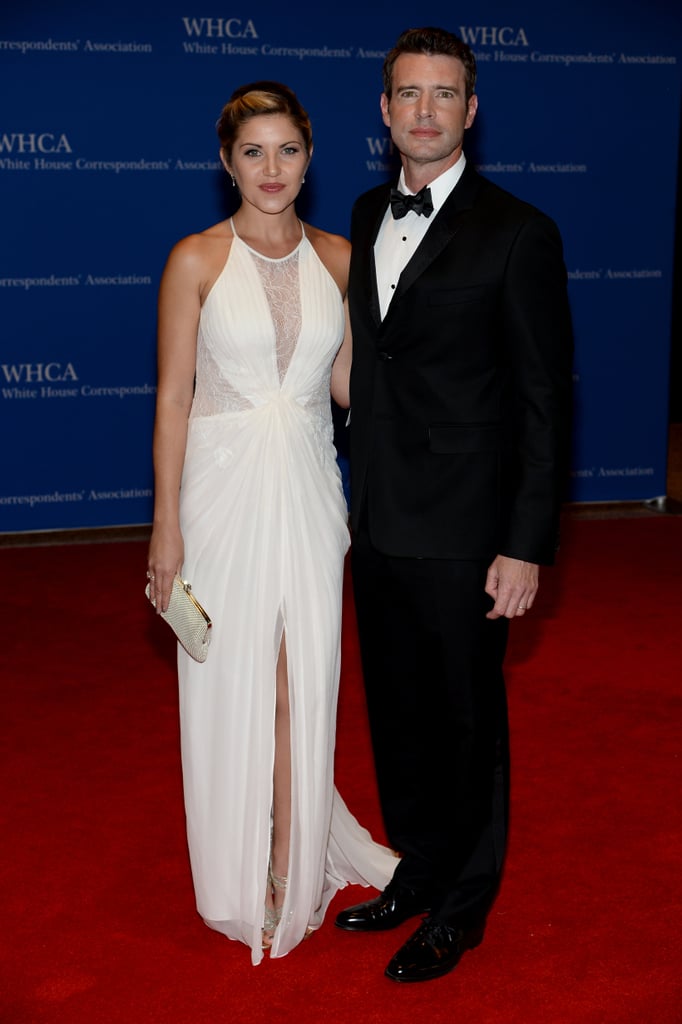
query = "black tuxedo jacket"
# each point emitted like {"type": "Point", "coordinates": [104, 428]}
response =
{"type": "Point", "coordinates": [460, 398]}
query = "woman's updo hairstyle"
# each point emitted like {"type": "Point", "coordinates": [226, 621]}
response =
{"type": "Point", "coordinates": [261, 98]}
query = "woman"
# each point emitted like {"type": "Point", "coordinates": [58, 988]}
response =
{"type": "Point", "coordinates": [249, 507]}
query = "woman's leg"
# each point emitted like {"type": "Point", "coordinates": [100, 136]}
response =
{"type": "Point", "coordinates": [281, 810]}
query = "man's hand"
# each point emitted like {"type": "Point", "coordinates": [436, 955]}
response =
{"type": "Point", "coordinates": [512, 584]}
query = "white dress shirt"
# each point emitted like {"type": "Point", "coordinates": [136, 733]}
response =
{"type": "Point", "coordinates": [397, 240]}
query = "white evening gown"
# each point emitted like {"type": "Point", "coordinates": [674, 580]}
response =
{"type": "Point", "coordinates": [264, 521]}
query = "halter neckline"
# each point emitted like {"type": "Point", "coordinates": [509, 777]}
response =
{"type": "Point", "coordinates": [262, 256]}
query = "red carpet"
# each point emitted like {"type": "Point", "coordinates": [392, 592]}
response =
{"type": "Point", "coordinates": [98, 920]}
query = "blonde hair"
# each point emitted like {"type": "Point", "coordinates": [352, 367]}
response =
{"type": "Point", "coordinates": [257, 99]}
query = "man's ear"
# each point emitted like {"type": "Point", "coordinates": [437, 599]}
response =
{"type": "Point", "coordinates": [472, 107]}
{"type": "Point", "coordinates": [384, 110]}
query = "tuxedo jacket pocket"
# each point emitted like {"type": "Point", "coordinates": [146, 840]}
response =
{"type": "Point", "coordinates": [460, 439]}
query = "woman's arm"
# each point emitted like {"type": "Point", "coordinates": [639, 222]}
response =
{"type": "Point", "coordinates": [334, 251]}
{"type": "Point", "coordinates": [179, 305]}
{"type": "Point", "coordinates": [340, 384]}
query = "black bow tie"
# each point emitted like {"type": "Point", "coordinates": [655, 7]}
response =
{"type": "Point", "coordinates": [421, 203]}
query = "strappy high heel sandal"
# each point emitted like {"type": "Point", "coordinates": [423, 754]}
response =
{"type": "Point", "coordinates": [278, 882]}
{"type": "Point", "coordinates": [273, 915]}
{"type": "Point", "coordinates": [271, 919]}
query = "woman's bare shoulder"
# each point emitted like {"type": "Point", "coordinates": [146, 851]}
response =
{"type": "Point", "coordinates": [197, 259]}
{"type": "Point", "coordinates": [202, 245]}
{"type": "Point", "coordinates": [335, 243]}
{"type": "Point", "coordinates": [334, 251]}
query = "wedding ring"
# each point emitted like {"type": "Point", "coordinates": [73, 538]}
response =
{"type": "Point", "coordinates": [522, 607]}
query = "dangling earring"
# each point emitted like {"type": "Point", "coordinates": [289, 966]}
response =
{"type": "Point", "coordinates": [303, 180]}
{"type": "Point", "coordinates": [234, 181]}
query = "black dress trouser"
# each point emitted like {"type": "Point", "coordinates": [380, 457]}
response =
{"type": "Point", "coordinates": [432, 665]}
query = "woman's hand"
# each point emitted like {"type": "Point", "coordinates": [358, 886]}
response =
{"type": "Point", "coordinates": [165, 558]}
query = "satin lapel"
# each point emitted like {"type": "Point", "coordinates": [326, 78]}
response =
{"type": "Point", "coordinates": [447, 223]}
{"type": "Point", "coordinates": [374, 306]}
{"type": "Point", "coordinates": [363, 243]}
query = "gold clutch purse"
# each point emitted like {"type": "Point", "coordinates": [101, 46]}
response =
{"type": "Point", "coordinates": [188, 620]}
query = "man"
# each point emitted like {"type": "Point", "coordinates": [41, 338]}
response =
{"type": "Point", "coordinates": [460, 395]}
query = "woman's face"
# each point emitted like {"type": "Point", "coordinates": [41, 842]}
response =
{"type": "Point", "coordinates": [269, 160]}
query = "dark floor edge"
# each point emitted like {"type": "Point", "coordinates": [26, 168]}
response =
{"type": "Point", "coordinates": [652, 508]}
{"type": "Point", "coordinates": [95, 535]}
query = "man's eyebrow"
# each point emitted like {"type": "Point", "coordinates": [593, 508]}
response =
{"type": "Point", "coordinates": [450, 87]}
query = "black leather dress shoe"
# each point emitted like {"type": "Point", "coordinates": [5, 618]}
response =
{"type": "Point", "coordinates": [393, 906]}
{"type": "Point", "coordinates": [432, 951]}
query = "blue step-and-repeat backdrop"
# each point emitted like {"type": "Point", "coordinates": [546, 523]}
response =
{"type": "Point", "coordinates": [108, 155]}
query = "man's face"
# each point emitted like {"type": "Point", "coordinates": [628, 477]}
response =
{"type": "Point", "coordinates": [428, 111]}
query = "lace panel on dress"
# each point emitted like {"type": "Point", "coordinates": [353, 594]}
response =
{"type": "Point", "coordinates": [213, 392]}
{"type": "Point", "coordinates": [280, 282]}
